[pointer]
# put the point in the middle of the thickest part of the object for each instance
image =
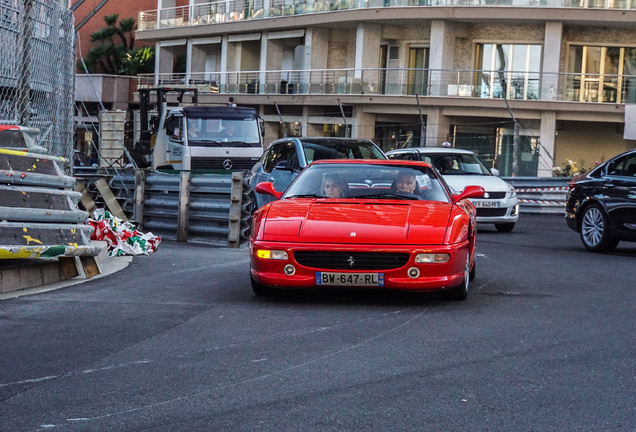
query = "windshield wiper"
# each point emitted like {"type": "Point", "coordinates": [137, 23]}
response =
{"type": "Point", "coordinates": [211, 143]}
{"type": "Point", "coordinates": [303, 196]}
{"type": "Point", "coordinates": [390, 195]}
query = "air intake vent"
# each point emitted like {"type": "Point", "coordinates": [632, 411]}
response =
{"type": "Point", "coordinates": [351, 260]}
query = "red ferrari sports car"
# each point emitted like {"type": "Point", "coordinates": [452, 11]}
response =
{"type": "Point", "coordinates": [365, 223]}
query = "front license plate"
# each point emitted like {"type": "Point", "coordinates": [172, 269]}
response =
{"type": "Point", "coordinates": [350, 279]}
{"type": "Point", "coordinates": [487, 204]}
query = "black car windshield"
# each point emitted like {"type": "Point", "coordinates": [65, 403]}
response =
{"type": "Point", "coordinates": [368, 181]}
{"type": "Point", "coordinates": [340, 149]}
{"type": "Point", "coordinates": [457, 164]}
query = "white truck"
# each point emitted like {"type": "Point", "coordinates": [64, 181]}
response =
{"type": "Point", "coordinates": [204, 137]}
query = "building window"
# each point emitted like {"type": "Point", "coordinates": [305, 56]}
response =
{"type": "Point", "coordinates": [509, 71]}
{"type": "Point", "coordinates": [601, 74]}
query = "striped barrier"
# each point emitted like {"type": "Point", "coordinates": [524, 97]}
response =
{"type": "Point", "coordinates": [541, 195]}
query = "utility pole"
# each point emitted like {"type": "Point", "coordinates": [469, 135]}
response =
{"type": "Point", "coordinates": [515, 150]}
{"type": "Point", "coordinates": [504, 87]}
{"type": "Point", "coordinates": [422, 124]}
{"type": "Point", "coordinates": [344, 119]}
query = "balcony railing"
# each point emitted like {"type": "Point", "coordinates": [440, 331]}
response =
{"type": "Point", "coordinates": [238, 10]}
{"type": "Point", "coordinates": [403, 82]}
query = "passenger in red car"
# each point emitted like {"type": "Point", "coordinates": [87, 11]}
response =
{"type": "Point", "coordinates": [406, 182]}
{"type": "Point", "coordinates": [334, 186]}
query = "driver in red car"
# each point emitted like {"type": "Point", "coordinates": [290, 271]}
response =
{"type": "Point", "coordinates": [334, 186]}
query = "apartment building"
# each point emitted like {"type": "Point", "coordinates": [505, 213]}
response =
{"type": "Point", "coordinates": [545, 80]}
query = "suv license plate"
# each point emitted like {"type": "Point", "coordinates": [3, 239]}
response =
{"type": "Point", "coordinates": [350, 279]}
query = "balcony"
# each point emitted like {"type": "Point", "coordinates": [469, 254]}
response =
{"type": "Point", "coordinates": [240, 10]}
{"type": "Point", "coordinates": [478, 84]}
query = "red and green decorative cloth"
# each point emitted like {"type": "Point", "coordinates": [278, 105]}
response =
{"type": "Point", "coordinates": [122, 236]}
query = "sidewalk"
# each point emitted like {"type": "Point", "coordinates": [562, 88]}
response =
{"type": "Point", "coordinates": [33, 276]}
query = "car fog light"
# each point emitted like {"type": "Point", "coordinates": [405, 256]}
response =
{"type": "Point", "coordinates": [289, 270]}
{"type": "Point", "coordinates": [414, 272]}
{"type": "Point", "coordinates": [432, 258]}
{"type": "Point", "coordinates": [272, 254]}
{"type": "Point", "coordinates": [514, 211]}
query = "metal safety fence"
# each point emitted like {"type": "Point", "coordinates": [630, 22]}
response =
{"type": "Point", "coordinates": [37, 70]}
{"type": "Point", "coordinates": [541, 194]}
{"type": "Point", "coordinates": [183, 206]}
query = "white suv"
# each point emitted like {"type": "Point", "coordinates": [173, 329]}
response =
{"type": "Point", "coordinates": [461, 168]}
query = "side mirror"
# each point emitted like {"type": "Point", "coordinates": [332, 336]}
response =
{"type": "Point", "coordinates": [494, 171]}
{"type": "Point", "coordinates": [283, 166]}
{"type": "Point", "coordinates": [267, 188]}
{"type": "Point", "coordinates": [470, 192]}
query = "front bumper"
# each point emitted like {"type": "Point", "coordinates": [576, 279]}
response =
{"type": "Point", "coordinates": [432, 276]}
{"type": "Point", "coordinates": [506, 212]}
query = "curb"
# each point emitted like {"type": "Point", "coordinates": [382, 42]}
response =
{"type": "Point", "coordinates": [36, 276]}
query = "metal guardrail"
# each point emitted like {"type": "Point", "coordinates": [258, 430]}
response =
{"type": "Point", "coordinates": [541, 194]}
{"type": "Point", "coordinates": [39, 217]}
{"type": "Point", "coordinates": [192, 207]}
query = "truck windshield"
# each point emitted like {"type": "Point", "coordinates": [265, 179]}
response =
{"type": "Point", "coordinates": [223, 132]}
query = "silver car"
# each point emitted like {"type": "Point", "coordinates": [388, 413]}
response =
{"type": "Point", "coordinates": [461, 168]}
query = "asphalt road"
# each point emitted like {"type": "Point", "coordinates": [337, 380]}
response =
{"type": "Point", "coordinates": [178, 342]}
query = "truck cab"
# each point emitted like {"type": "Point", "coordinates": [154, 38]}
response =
{"type": "Point", "coordinates": [207, 137]}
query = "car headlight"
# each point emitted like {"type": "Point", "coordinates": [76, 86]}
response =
{"type": "Point", "coordinates": [271, 254]}
{"type": "Point", "coordinates": [432, 258]}
{"type": "Point", "coordinates": [512, 191]}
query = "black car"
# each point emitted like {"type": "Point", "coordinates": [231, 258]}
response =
{"type": "Point", "coordinates": [601, 205]}
{"type": "Point", "coordinates": [286, 157]}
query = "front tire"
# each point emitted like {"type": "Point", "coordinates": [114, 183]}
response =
{"type": "Point", "coordinates": [473, 271]}
{"type": "Point", "coordinates": [505, 227]}
{"type": "Point", "coordinates": [460, 292]}
{"type": "Point", "coordinates": [595, 230]}
{"type": "Point", "coordinates": [260, 289]}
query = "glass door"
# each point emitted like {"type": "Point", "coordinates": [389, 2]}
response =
{"type": "Point", "coordinates": [418, 71]}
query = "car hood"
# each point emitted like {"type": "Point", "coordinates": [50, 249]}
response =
{"type": "Point", "coordinates": [489, 183]}
{"type": "Point", "coordinates": [357, 222]}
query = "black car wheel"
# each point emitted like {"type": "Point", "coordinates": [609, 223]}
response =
{"type": "Point", "coordinates": [595, 230]}
{"type": "Point", "coordinates": [259, 289]}
{"type": "Point", "coordinates": [505, 227]}
{"type": "Point", "coordinates": [460, 292]}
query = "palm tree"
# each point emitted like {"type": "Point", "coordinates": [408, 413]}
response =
{"type": "Point", "coordinates": [114, 51]}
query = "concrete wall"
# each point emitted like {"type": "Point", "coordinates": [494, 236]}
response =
{"type": "Point", "coordinates": [342, 48]}
{"type": "Point", "coordinates": [586, 143]}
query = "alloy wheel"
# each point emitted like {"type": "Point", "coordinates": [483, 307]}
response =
{"type": "Point", "coordinates": [592, 226]}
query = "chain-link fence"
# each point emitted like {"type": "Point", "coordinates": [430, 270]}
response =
{"type": "Point", "coordinates": [37, 70]}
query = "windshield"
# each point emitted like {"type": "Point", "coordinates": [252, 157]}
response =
{"type": "Point", "coordinates": [457, 164]}
{"type": "Point", "coordinates": [359, 181]}
{"type": "Point", "coordinates": [340, 149]}
{"type": "Point", "coordinates": [241, 132]}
